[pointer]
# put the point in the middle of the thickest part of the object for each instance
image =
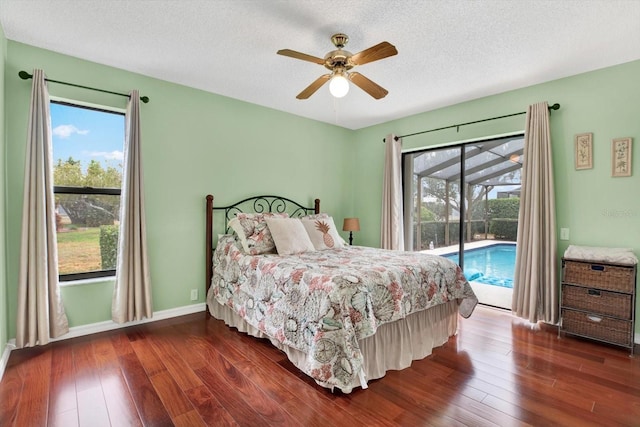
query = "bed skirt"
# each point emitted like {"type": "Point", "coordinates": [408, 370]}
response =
{"type": "Point", "coordinates": [393, 347]}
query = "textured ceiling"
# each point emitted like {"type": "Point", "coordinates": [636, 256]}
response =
{"type": "Point", "coordinates": [449, 51]}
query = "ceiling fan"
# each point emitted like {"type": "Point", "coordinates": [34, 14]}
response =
{"type": "Point", "coordinates": [339, 62]}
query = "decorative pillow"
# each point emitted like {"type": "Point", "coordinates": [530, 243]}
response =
{"type": "Point", "coordinates": [323, 233]}
{"type": "Point", "coordinates": [289, 235]}
{"type": "Point", "coordinates": [254, 233]}
{"type": "Point", "coordinates": [316, 216]}
{"type": "Point", "coordinates": [234, 224]}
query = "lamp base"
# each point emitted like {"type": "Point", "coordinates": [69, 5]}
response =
{"type": "Point", "coordinates": [350, 238]}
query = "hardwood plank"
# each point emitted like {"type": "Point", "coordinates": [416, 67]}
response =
{"type": "Point", "coordinates": [209, 408]}
{"type": "Point", "coordinates": [434, 393]}
{"type": "Point", "coordinates": [104, 353]}
{"type": "Point", "coordinates": [149, 406]}
{"type": "Point", "coordinates": [175, 402]}
{"type": "Point", "coordinates": [147, 357]}
{"type": "Point", "coordinates": [625, 414]}
{"type": "Point", "coordinates": [63, 419]}
{"type": "Point", "coordinates": [11, 391]}
{"type": "Point", "coordinates": [121, 344]}
{"type": "Point", "coordinates": [414, 413]}
{"type": "Point", "coordinates": [86, 368]}
{"type": "Point", "coordinates": [189, 419]}
{"type": "Point", "coordinates": [230, 377]}
{"type": "Point", "coordinates": [120, 405]}
{"type": "Point", "coordinates": [62, 395]}
{"type": "Point", "coordinates": [231, 399]}
{"type": "Point", "coordinates": [34, 400]}
{"type": "Point", "coordinates": [180, 370]}
{"type": "Point", "coordinates": [92, 408]}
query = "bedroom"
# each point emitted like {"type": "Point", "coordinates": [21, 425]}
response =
{"type": "Point", "coordinates": [195, 134]}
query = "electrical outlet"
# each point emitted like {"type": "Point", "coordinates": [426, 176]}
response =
{"type": "Point", "coordinates": [194, 294]}
{"type": "Point", "coordinates": [564, 234]}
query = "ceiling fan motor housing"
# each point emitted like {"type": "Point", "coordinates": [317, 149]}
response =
{"type": "Point", "coordinates": [339, 60]}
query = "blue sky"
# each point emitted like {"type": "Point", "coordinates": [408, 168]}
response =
{"type": "Point", "coordinates": [87, 135]}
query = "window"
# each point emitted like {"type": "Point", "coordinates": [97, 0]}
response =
{"type": "Point", "coordinates": [88, 148]}
{"type": "Point", "coordinates": [458, 189]}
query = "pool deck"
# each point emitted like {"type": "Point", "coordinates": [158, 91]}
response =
{"type": "Point", "coordinates": [467, 245]}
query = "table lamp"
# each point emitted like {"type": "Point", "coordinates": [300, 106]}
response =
{"type": "Point", "coordinates": [351, 225]}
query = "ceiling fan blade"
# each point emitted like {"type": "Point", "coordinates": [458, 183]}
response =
{"type": "Point", "coordinates": [367, 85]}
{"type": "Point", "coordinates": [299, 55]}
{"type": "Point", "coordinates": [374, 53]}
{"type": "Point", "coordinates": [313, 87]}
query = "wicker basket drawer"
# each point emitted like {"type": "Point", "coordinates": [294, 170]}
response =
{"type": "Point", "coordinates": [597, 301]}
{"type": "Point", "coordinates": [598, 327]}
{"type": "Point", "coordinates": [602, 276]}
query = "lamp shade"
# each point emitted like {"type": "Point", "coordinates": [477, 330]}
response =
{"type": "Point", "coordinates": [351, 224]}
{"type": "Point", "coordinates": [339, 86]}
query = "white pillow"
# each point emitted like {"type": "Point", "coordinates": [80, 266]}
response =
{"type": "Point", "coordinates": [323, 233]}
{"type": "Point", "coordinates": [289, 235]}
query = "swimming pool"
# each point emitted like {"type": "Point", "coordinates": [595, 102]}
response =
{"type": "Point", "coordinates": [491, 265]}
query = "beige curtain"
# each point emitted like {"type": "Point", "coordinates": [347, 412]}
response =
{"type": "Point", "coordinates": [132, 291]}
{"type": "Point", "coordinates": [535, 285]}
{"type": "Point", "coordinates": [392, 229]}
{"type": "Point", "coordinates": [41, 313]}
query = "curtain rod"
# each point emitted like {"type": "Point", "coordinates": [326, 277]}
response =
{"type": "Point", "coordinates": [551, 107]}
{"type": "Point", "coordinates": [26, 76]}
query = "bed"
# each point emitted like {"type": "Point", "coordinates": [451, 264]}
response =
{"type": "Point", "coordinates": [344, 315]}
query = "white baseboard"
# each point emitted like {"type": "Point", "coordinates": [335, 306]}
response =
{"type": "Point", "coordinates": [5, 356]}
{"type": "Point", "coordinates": [108, 325]}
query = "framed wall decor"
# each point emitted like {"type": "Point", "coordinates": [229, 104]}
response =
{"type": "Point", "coordinates": [584, 151]}
{"type": "Point", "coordinates": [621, 157]}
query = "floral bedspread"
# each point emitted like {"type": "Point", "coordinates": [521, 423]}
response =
{"type": "Point", "coordinates": [323, 302]}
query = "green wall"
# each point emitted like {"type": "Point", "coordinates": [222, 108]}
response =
{"type": "Point", "coordinates": [598, 210]}
{"type": "Point", "coordinates": [194, 143]}
{"type": "Point", "coordinates": [3, 223]}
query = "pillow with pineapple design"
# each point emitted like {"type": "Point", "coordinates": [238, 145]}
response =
{"type": "Point", "coordinates": [323, 233]}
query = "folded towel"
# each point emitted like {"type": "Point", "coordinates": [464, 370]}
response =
{"type": "Point", "coordinates": [590, 253]}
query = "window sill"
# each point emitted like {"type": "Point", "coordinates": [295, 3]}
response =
{"type": "Point", "coordinates": [64, 284]}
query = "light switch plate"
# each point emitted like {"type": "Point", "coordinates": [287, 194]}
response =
{"type": "Point", "coordinates": [564, 234]}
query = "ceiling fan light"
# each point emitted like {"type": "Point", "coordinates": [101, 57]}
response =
{"type": "Point", "coordinates": [339, 86]}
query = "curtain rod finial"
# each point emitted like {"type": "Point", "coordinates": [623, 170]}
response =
{"type": "Point", "coordinates": [144, 99]}
{"type": "Point", "coordinates": [395, 138]}
{"type": "Point", "coordinates": [24, 75]}
{"type": "Point", "coordinates": [555, 106]}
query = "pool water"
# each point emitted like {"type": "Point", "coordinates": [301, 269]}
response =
{"type": "Point", "coordinates": [491, 265]}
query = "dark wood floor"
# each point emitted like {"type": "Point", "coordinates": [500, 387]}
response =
{"type": "Point", "coordinates": [193, 370]}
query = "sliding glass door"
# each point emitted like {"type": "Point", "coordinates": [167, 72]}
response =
{"type": "Point", "coordinates": [462, 201]}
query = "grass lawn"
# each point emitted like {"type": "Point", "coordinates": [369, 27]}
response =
{"type": "Point", "coordinates": [79, 250]}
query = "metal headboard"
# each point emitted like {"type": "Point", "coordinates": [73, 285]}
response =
{"type": "Point", "coordinates": [256, 204]}
{"type": "Point", "coordinates": [266, 203]}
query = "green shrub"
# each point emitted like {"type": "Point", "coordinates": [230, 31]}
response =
{"type": "Point", "coordinates": [504, 228]}
{"type": "Point", "coordinates": [504, 208]}
{"type": "Point", "coordinates": [109, 246]}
